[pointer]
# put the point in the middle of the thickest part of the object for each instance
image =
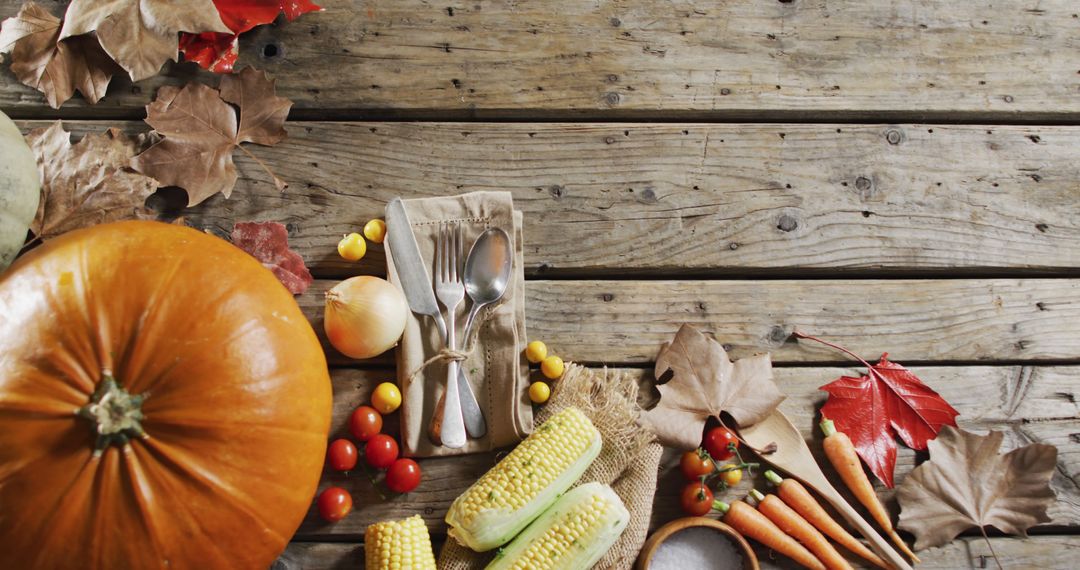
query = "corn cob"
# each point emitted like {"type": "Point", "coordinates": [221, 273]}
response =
{"type": "Point", "coordinates": [525, 483]}
{"type": "Point", "coordinates": [573, 534]}
{"type": "Point", "coordinates": [398, 545]}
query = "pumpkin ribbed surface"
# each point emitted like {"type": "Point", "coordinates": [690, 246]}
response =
{"type": "Point", "coordinates": [231, 384]}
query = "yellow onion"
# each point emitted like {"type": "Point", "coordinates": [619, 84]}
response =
{"type": "Point", "coordinates": [365, 316]}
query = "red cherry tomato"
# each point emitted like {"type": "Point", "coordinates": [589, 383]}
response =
{"type": "Point", "coordinates": [334, 504]}
{"type": "Point", "coordinates": [718, 441]}
{"type": "Point", "coordinates": [341, 455]}
{"type": "Point", "coordinates": [696, 499]}
{"type": "Point", "coordinates": [380, 451]}
{"type": "Point", "coordinates": [403, 476]}
{"type": "Point", "coordinates": [365, 423]}
{"type": "Point", "coordinates": [695, 464]}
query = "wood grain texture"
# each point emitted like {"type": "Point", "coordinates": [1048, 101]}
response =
{"type": "Point", "coordinates": [926, 320]}
{"type": "Point", "coordinates": [1044, 552]}
{"type": "Point", "coordinates": [1028, 403]}
{"type": "Point", "coordinates": [689, 200]}
{"type": "Point", "coordinates": [738, 59]}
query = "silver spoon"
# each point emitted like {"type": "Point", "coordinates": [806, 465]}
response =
{"type": "Point", "coordinates": [487, 275]}
{"type": "Point", "coordinates": [487, 272]}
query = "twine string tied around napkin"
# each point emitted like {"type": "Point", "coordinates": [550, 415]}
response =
{"type": "Point", "coordinates": [446, 355]}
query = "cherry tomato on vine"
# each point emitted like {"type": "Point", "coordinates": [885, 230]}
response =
{"type": "Point", "coordinates": [696, 499]}
{"type": "Point", "coordinates": [717, 442]}
{"type": "Point", "coordinates": [695, 464]}
{"type": "Point", "coordinates": [403, 476]}
{"type": "Point", "coordinates": [341, 455]}
{"type": "Point", "coordinates": [365, 423]}
{"type": "Point", "coordinates": [334, 503]}
{"type": "Point", "coordinates": [380, 451]}
{"type": "Point", "coordinates": [730, 478]}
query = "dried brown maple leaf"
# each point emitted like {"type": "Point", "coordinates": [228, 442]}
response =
{"type": "Point", "coordinates": [86, 183]}
{"type": "Point", "coordinates": [269, 243]}
{"type": "Point", "coordinates": [262, 112]}
{"type": "Point", "coordinates": [705, 382]}
{"type": "Point", "coordinates": [56, 68]}
{"type": "Point", "coordinates": [141, 35]}
{"type": "Point", "coordinates": [201, 129]}
{"type": "Point", "coordinates": [967, 484]}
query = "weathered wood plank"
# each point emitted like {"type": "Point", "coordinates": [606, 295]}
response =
{"type": "Point", "coordinates": [1045, 552]}
{"type": "Point", "coordinates": [738, 59]}
{"type": "Point", "coordinates": [1012, 399]}
{"type": "Point", "coordinates": [689, 199]}
{"type": "Point", "coordinates": [625, 322]}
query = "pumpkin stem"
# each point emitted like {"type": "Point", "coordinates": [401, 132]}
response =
{"type": "Point", "coordinates": [115, 414]}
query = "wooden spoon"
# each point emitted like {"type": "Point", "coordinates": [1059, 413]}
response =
{"type": "Point", "coordinates": [793, 456]}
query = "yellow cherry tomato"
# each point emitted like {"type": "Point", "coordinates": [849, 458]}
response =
{"type": "Point", "coordinates": [552, 367]}
{"type": "Point", "coordinates": [536, 351]}
{"type": "Point", "coordinates": [352, 247]}
{"type": "Point", "coordinates": [375, 230]}
{"type": "Point", "coordinates": [539, 392]}
{"type": "Point", "coordinates": [386, 398]}
{"type": "Point", "coordinates": [730, 478]}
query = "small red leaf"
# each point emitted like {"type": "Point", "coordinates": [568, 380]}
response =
{"type": "Point", "coordinates": [875, 408]}
{"type": "Point", "coordinates": [210, 50]}
{"type": "Point", "coordinates": [269, 243]}
{"type": "Point", "coordinates": [218, 52]}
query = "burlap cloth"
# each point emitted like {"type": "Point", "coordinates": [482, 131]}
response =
{"type": "Point", "coordinates": [628, 461]}
{"type": "Point", "coordinates": [496, 368]}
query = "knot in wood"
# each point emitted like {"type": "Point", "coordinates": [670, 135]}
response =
{"type": "Point", "coordinates": [272, 50]}
{"type": "Point", "coordinates": [787, 223]}
{"type": "Point", "coordinates": [863, 183]}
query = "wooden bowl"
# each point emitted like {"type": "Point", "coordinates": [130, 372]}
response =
{"type": "Point", "coordinates": [750, 561]}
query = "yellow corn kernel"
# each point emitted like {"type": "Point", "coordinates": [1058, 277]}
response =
{"type": "Point", "coordinates": [398, 545]}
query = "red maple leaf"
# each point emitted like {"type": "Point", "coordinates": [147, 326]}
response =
{"type": "Point", "coordinates": [218, 52]}
{"type": "Point", "coordinates": [875, 408]}
{"type": "Point", "coordinates": [269, 243]}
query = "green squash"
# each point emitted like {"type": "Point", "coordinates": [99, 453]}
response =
{"type": "Point", "coordinates": [20, 190]}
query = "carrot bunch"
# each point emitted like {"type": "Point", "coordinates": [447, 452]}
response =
{"type": "Point", "coordinates": [799, 498]}
{"type": "Point", "coordinates": [748, 521]}
{"type": "Point", "coordinates": [793, 523]}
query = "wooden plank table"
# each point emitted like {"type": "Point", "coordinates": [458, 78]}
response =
{"type": "Point", "coordinates": [897, 176]}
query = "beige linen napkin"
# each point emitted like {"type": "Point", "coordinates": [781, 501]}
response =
{"type": "Point", "coordinates": [496, 368]}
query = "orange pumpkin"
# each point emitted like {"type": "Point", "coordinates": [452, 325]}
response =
{"type": "Point", "coordinates": [206, 449]}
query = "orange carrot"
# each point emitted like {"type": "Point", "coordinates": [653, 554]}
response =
{"type": "Point", "coordinates": [841, 453]}
{"type": "Point", "coordinates": [798, 498]}
{"type": "Point", "coordinates": [796, 527]}
{"type": "Point", "coordinates": [745, 519]}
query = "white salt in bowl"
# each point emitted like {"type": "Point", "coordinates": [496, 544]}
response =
{"type": "Point", "coordinates": [686, 544]}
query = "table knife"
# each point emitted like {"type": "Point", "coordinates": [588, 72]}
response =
{"type": "Point", "coordinates": [416, 283]}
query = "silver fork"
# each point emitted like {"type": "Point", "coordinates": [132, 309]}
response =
{"type": "Point", "coordinates": [451, 292]}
